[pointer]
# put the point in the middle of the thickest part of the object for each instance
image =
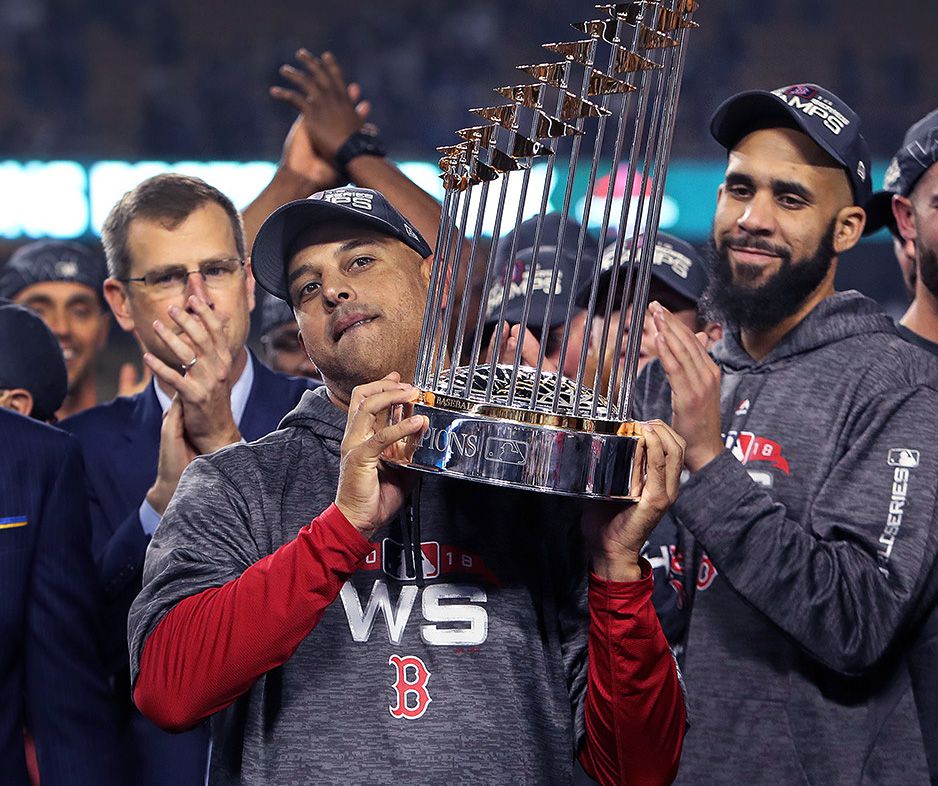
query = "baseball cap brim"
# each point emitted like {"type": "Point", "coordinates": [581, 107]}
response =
{"type": "Point", "coordinates": [739, 115]}
{"type": "Point", "coordinates": [280, 231]}
{"type": "Point", "coordinates": [879, 213]}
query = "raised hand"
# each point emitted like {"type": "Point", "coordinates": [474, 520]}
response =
{"type": "Point", "coordinates": [301, 159]}
{"type": "Point", "coordinates": [331, 109]}
{"type": "Point", "coordinates": [508, 347]}
{"type": "Point", "coordinates": [616, 533]}
{"type": "Point", "coordinates": [695, 387]}
{"type": "Point", "coordinates": [204, 382]}
{"type": "Point", "coordinates": [176, 453]}
{"type": "Point", "coordinates": [369, 491]}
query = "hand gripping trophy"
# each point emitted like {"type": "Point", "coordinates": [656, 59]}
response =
{"type": "Point", "coordinates": [515, 424]}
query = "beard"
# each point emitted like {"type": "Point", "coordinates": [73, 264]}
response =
{"type": "Point", "coordinates": [737, 302]}
{"type": "Point", "coordinates": [927, 265]}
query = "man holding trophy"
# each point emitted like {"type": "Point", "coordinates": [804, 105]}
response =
{"type": "Point", "coordinates": [490, 661]}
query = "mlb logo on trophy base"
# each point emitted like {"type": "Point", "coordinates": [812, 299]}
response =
{"type": "Point", "coordinates": [506, 451]}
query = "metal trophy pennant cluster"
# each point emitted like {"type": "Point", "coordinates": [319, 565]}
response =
{"type": "Point", "coordinates": [521, 424]}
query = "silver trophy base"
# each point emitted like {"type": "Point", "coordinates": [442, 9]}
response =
{"type": "Point", "coordinates": [523, 455]}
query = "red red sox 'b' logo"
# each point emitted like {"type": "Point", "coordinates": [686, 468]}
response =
{"type": "Point", "coordinates": [410, 685]}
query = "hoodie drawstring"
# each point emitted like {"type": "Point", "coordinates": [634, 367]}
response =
{"type": "Point", "coordinates": [411, 536]}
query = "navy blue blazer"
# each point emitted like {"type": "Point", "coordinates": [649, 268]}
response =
{"type": "Point", "coordinates": [50, 666]}
{"type": "Point", "coordinates": [120, 441]}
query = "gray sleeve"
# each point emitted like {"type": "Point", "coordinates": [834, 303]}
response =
{"type": "Point", "coordinates": [203, 541]}
{"type": "Point", "coordinates": [843, 581]}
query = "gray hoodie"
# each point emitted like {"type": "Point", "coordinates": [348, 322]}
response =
{"type": "Point", "coordinates": [811, 542]}
{"type": "Point", "coordinates": [500, 625]}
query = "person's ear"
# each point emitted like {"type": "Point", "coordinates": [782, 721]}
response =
{"type": "Point", "coordinates": [117, 297]}
{"type": "Point", "coordinates": [848, 228]}
{"type": "Point", "coordinates": [904, 214]}
{"type": "Point", "coordinates": [426, 268]}
{"type": "Point", "coordinates": [18, 399]}
{"type": "Point", "coordinates": [714, 332]}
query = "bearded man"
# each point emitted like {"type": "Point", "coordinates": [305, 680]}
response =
{"type": "Point", "coordinates": [808, 512]}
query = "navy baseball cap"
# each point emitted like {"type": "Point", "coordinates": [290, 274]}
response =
{"type": "Point", "coordinates": [918, 153]}
{"type": "Point", "coordinates": [524, 262]}
{"type": "Point", "coordinates": [274, 313]}
{"type": "Point", "coordinates": [53, 260]}
{"type": "Point", "coordinates": [31, 359]}
{"type": "Point", "coordinates": [676, 264]}
{"type": "Point", "coordinates": [824, 117]}
{"type": "Point", "coordinates": [279, 232]}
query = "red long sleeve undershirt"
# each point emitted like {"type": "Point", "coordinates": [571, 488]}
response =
{"type": "Point", "coordinates": [211, 647]}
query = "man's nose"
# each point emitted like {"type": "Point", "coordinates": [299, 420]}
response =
{"type": "Point", "coordinates": [336, 293]}
{"type": "Point", "coordinates": [195, 285]}
{"type": "Point", "coordinates": [758, 218]}
{"type": "Point", "coordinates": [58, 323]}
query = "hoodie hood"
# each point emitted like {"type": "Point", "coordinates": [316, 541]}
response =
{"type": "Point", "coordinates": [841, 316]}
{"type": "Point", "coordinates": [318, 414]}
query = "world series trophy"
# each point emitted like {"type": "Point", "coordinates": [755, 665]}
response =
{"type": "Point", "coordinates": [531, 427]}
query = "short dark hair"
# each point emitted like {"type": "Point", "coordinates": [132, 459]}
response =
{"type": "Point", "coordinates": [169, 199]}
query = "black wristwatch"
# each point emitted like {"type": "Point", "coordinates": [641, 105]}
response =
{"type": "Point", "coordinates": [361, 143]}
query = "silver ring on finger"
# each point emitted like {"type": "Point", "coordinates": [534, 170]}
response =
{"type": "Point", "coordinates": [190, 364]}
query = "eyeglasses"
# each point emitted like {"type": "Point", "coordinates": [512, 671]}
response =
{"type": "Point", "coordinates": [216, 273]}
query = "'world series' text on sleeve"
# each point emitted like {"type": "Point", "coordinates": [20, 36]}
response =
{"type": "Point", "coordinates": [812, 541]}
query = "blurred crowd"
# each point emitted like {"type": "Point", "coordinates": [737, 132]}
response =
{"type": "Point", "coordinates": [192, 78]}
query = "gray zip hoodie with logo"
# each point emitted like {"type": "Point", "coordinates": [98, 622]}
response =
{"type": "Point", "coordinates": [500, 623]}
{"type": "Point", "coordinates": [810, 547]}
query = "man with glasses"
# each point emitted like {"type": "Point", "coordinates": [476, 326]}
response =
{"type": "Point", "coordinates": [180, 282]}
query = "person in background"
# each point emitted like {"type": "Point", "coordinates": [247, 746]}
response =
{"type": "Point", "coordinates": [180, 281]}
{"type": "Point", "coordinates": [52, 679]}
{"type": "Point", "coordinates": [908, 205]}
{"type": "Point", "coordinates": [282, 349]}
{"type": "Point", "coordinates": [678, 282]}
{"type": "Point", "coordinates": [546, 264]}
{"type": "Point", "coordinates": [33, 375]}
{"type": "Point", "coordinates": [62, 282]}
{"type": "Point", "coordinates": [330, 143]}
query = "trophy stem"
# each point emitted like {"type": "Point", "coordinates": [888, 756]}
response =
{"type": "Point", "coordinates": [506, 284]}
{"type": "Point", "coordinates": [645, 88]}
{"type": "Point", "coordinates": [584, 226]}
{"type": "Point", "coordinates": [447, 227]}
{"type": "Point", "coordinates": [446, 313]}
{"type": "Point", "coordinates": [487, 283]}
{"type": "Point", "coordinates": [667, 126]}
{"type": "Point", "coordinates": [459, 336]}
{"type": "Point", "coordinates": [539, 226]}
{"type": "Point", "coordinates": [564, 212]}
{"type": "Point", "coordinates": [604, 228]}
